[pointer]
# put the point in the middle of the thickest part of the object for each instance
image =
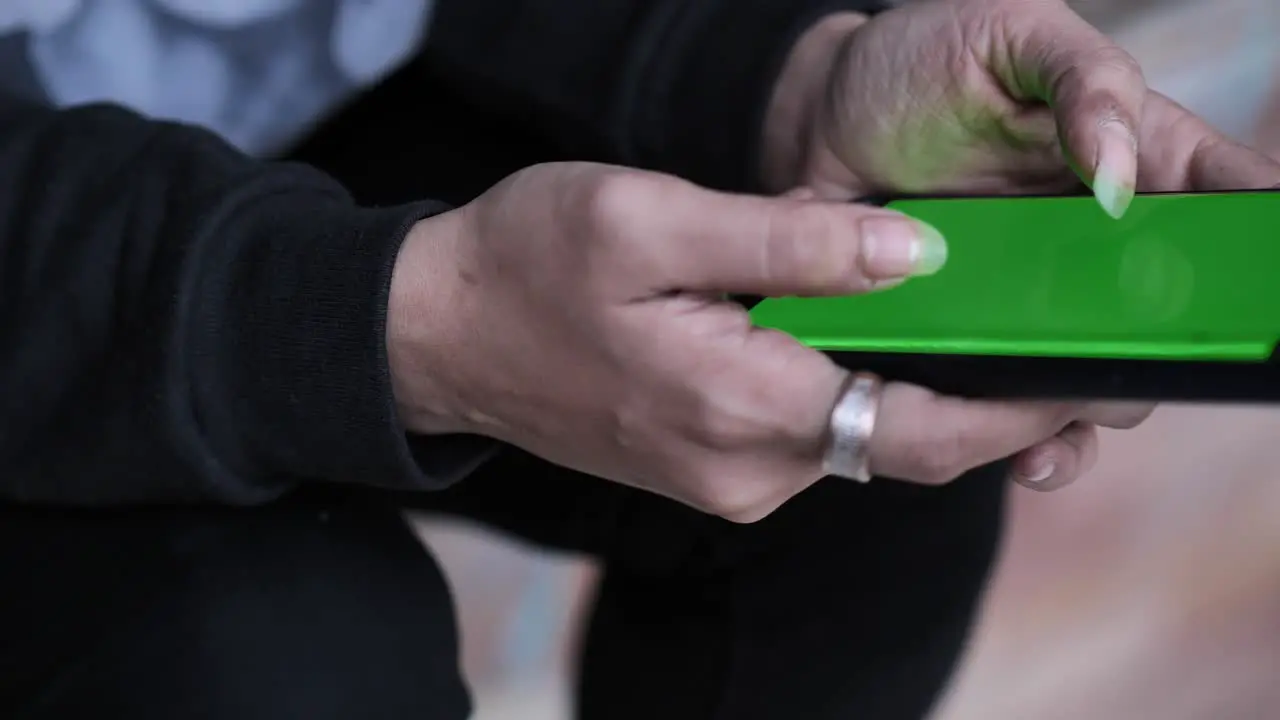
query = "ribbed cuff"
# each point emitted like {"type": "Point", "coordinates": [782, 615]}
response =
{"type": "Point", "coordinates": [293, 339]}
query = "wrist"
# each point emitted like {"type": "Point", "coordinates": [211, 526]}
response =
{"type": "Point", "coordinates": [798, 97]}
{"type": "Point", "coordinates": [422, 330]}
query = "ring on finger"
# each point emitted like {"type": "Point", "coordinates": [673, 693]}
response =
{"type": "Point", "coordinates": [853, 420]}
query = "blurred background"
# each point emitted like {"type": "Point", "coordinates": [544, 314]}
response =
{"type": "Point", "coordinates": [1149, 590]}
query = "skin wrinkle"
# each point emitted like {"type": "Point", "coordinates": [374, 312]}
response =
{"type": "Point", "coordinates": [942, 116]}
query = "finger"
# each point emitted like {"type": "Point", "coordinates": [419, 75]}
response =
{"type": "Point", "coordinates": [1182, 152]}
{"type": "Point", "coordinates": [716, 242]}
{"type": "Point", "coordinates": [929, 438]}
{"type": "Point", "coordinates": [1058, 461]}
{"type": "Point", "coordinates": [1096, 90]}
{"type": "Point", "coordinates": [765, 422]}
{"type": "Point", "coordinates": [792, 385]}
{"type": "Point", "coordinates": [1223, 164]}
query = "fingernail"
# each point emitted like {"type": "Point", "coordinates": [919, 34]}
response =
{"type": "Point", "coordinates": [1116, 167]}
{"type": "Point", "coordinates": [801, 193]}
{"type": "Point", "coordinates": [900, 247]}
{"type": "Point", "coordinates": [1040, 474]}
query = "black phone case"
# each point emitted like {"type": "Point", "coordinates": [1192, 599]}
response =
{"type": "Point", "coordinates": [1023, 377]}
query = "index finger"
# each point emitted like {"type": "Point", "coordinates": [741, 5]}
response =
{"type": "Point", "coordinates": [1096, 91]}
{"type": "Point", "coordinates": [752, 245]}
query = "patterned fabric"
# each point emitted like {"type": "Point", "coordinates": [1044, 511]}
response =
{"type": "Point", "coordinates": [257, 71]}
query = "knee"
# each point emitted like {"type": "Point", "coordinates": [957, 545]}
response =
{"type": "Point", "coordinates": [322, 615]}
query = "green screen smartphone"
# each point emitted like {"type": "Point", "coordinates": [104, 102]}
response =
{"type": "Point", "coordinates": [1051, 297]}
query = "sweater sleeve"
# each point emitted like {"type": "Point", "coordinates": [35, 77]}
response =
{"type": "Point", "coordinates": [675, 85]}
{"type": "Point", "coordinates": [182, 323]}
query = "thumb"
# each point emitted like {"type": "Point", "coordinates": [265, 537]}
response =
{"type": "Point", "coordinates": [1096, 90]}
{"type": "Point", "coordinates": [751, 245]}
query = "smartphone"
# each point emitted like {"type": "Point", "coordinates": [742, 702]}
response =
{"type": "Point", "coordinates": [1046, 297]}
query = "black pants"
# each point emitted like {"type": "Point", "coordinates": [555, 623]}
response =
{"type": "Point", "coordinates": [851, 601]}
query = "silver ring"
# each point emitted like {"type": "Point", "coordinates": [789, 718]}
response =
{"type": "Point", "coordinates": [853, 420]}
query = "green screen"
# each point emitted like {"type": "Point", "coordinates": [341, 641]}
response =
{"type": "Point", "coordinates": [1180, 277]}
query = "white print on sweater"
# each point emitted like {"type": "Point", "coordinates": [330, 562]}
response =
{"type": "Point", "coordinates": [259, 72]}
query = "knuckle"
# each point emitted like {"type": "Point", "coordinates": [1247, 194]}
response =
{"type": "Point", "coordinates": [606, 217]}
{"type": "Point", "coordinates": [718, 427]}
{"type": "Point", "coordinates": [1115, 58]}
{"type": "Point", "coordinates": [1097, 74]}
{"type": "Point", "coordinates": [752, 516]}
{"type": "Point", "coordinates": [611, 201]}
{"type": "Point", "coordinates": [736, 498]}
{"type": "Point", "coordinates": [803, 242]}
{"type": "Point", "coordinates": [939, 458]}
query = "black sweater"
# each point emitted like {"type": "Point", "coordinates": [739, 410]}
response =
{"type": "Point", "coordinates": [184, 323]}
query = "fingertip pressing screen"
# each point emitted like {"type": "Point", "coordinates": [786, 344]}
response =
{"type": "Point", "coordinates": [1179, 277]}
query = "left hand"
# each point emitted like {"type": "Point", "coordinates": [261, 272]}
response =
{"type": "Point", "coordinates": [989, 97]}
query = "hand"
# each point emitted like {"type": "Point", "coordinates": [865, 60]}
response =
{"type": "Point", "coordinates": [576, 311]}
{"type": "Point", "coordinates": [1181, 153]}
{"type": "Point", "coordinates": [955, 96]}
{"type": "Point", "coordinates": [980, 96]}
{"type": "Point", "coordinates": [974, 96]}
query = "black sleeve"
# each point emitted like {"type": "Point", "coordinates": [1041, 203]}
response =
{"type": "Point", "coordinates": [182, 323]}
{"type": "Point", "coordinates": [676, 85]}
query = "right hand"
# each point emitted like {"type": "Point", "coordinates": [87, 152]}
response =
{"type": "Point", "coordinates": [576, 311]}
